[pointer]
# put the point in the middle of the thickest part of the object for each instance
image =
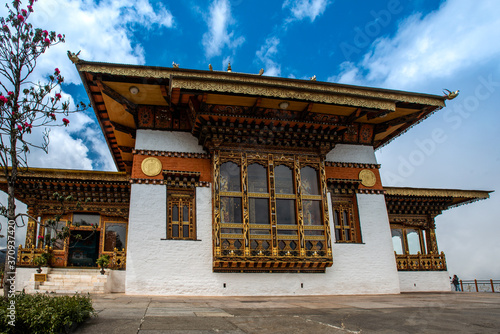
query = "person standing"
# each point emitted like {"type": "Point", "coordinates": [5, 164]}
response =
{"type": "Point", "coordinates": [456, 282]}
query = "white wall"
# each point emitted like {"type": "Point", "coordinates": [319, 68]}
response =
{"type": "Point", "coordinates": [167, 141]}
{"type": "Point", "coordinates": [184, 267]}
{"type": "Point", "coordinates": [424, 281]}
{"type": "Point", "coordinates": [352, 153]}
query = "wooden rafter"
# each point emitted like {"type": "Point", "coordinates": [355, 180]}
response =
{"type": "Point", "coordinates": [130, 107]}
{"type": "Point", "coordinates": [123, 128]}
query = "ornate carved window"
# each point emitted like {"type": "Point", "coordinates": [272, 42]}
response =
{"type": "Point", "coordinates": [270, 213]}
{"type": "Point", "coordinates": [408, 240]}
{"type": "Point", "coordinates": [345, 219]}
{"type": "Point", "coordinates": [181, 222]}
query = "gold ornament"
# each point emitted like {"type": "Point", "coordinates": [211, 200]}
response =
{"type": "Point", "coordinates": [368, 178]}
{"type": "Point", "coordinates": [151, 166]}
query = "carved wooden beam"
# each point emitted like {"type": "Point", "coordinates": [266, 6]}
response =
{"type": "Point", "coordinates": [130, 107]}
{"type": "Point", "coordinates": [256, 104]}
{"type": "Point", "coordinates": [164, 93]}
{"type": "Point", "coordinates": [306, 110]}
{"type": "Point", "coordinates": [124, 129]}
{"type": "Point", "coordinates": [125, 149]}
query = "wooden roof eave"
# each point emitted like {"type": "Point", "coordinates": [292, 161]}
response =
{"type": "Point", "coordinates": [93, 103]}
{"type": "Point", "coordinates": [459, 197]}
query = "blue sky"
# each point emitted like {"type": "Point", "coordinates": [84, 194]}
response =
{"type": "Point", "coordinates": [421, 46]}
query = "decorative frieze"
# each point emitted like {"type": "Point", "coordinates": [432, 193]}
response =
{"type": "Point", "coordinates": [171, 154]}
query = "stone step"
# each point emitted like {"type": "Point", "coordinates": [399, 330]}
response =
{"type": "Point", "coordinates": [49, 283]}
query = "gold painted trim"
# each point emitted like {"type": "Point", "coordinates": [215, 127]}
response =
{"type": "Point", "coordinates": [230, 194]}
{"type": "Point", "coordinates": [480, 194]}
{"type": "Point", "coordinates": [312, 197]}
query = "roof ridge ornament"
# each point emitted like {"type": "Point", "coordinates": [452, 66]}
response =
{"type": "Point", "coordinates": [74, 57]}
{"type": "Point", "coordinates": [449, 95]}
{"type": "Point", "coordinates": [229, 67]}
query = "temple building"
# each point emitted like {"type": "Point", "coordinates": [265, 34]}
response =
{"type": "Point", "coordinates": [240, 184]}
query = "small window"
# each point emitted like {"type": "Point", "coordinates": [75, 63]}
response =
{"type": "Point", "coordinates": [85, 219]}
{"type": "Point", "coordinates": [345, 219]}
{"type": "Point", "coordinates": [181, 222]}
{"type": "Point", "coordinates": [115, 236]}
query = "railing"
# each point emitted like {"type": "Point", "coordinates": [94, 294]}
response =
{"type": "Point", "coordinates": [118, 259]}
{"type": "Point", "coordinates": [476, 285]}
{"type": "Point", "coordinates": [25, 256]}
{"type": "Point", "coordinates": [421, 262]}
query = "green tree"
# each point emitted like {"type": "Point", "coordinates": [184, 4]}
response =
{"type": "Point", "coordinates": [24, 105]}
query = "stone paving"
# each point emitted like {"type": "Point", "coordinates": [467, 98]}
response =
{"type": "Point", "coordinates": [405, 313]}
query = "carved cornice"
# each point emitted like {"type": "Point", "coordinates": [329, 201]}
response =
{"type": "Point", "coordinates": [351, 165]}
{"type": "Point", "coordinates": [472, 194]}
{"type": "Point", "coordinates": [421, 221]}
{"type": "Point", "coordinates": [171, 183]}
{"type": "Point", "coordinates": [171, 154]}
{"type": "Point", "coordinates": [183, 78]}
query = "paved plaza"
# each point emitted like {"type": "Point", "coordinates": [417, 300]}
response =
{"type": "Point", "coordinates": [405, 313]}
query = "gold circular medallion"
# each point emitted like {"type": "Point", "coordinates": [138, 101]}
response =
{"type": "Point", "coordinates": [151, 166]}
{"type": "Point", "coordinates": [368, 178]}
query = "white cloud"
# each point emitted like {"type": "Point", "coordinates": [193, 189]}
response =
{"type": "Point", "coordinates": [459, 35]}
{"type": "Point", "coordinates": [266, 55]}
{"type": "Point", "coordinates": [103, 31]}
{"type": "Point", "coordinates": [453, 47]}
{"type": "Point", "coordinates": [218, 35]}
{"type": "Point", "coordinates": [301, 9]}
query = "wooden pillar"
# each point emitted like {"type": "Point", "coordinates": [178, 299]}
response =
{"type": "Point", "coordinates": [31, 229]}
{"type": "Point", "coordinates": [431, 237]}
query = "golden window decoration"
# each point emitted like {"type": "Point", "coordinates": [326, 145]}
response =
{"type": "Point", "coordinates": [345, 219]}
{"type": "Point", "coordinates": [270, 213]}
{"type": "Point", "coordinates": [181, 221]}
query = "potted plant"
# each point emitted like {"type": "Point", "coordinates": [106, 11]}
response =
{"type": "Point", "coordinates": [40, 261]}
{"type": "Point", "coordinates": [103, 262]}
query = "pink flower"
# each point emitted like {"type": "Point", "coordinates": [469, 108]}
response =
{"type": "Point", "coordinates": [40, 237]}
{"type": "Point", "coordinates": [20, 18]}
{"type": "Point", "coordinates": [3, 99]}
{"type": "Point", "coordinates": [53, 116]}
{"type": "Point", "coordinates": [24, 12]}
{"type": "Point", "coordinates": [4, 27]}
{"type": "Point", "coordinates": [10, 93]}
{"type": "Point", "coordinates": [47, 41]}
{"type": "Point", "coordinates": [58, 96]}
{"type": "Point", "coordinates": [30, 8]}
{"type": "Point", "coordinates": [59, 36]}
{"type": "Point", "coordinates": [56, 71]}
{"type": "Point", "coordinates": [65, 121]}
{"type": "Point", "coordinates": [20, 128]}
{"type": "Point", "coordinates": [45, 33]}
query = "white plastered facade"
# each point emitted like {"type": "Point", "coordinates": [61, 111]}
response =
{"type": "Point", "coordinates": [183, 267]}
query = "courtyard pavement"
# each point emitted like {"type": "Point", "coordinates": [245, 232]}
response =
{"type": "Point", "coordinates": [405, 313]}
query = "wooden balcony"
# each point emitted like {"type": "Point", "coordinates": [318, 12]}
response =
{"type": "Point", "coordinates": [421, 262]}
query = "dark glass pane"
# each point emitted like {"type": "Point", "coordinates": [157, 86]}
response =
{"type": "Point", "coordinates": [338, 234]}
{"type": "Point", "coordinates": [185, 213]}
{"type": "Point", "coordinates": [85, 219]}
{"type": "Point", "coordinates": [115, 236]}
{"type": "Point", "coordinates": [175, 213]}
{"type": "Point", "coordinates": [257, 178]}
{"type": "Point", "coordinates": [287, 232]}
{"type": "Point", "coordinates": [345, 217]}
{"type": "Point", "coordinates": [309, 181]}
{"type": "Point", "coordinates": [285, 211]}
{"type": "Point", "coordinates": [185, 231]}
{"type": "Point", "coordinates": [283, 180]}
{"type": "Point", "coordinates": [314, 232]}
{"type": "Point", "coordinates": [175, 230]}
{"type": "Point", "coordinates": [230, 179]}
{"type": "Point", "coordinates": [230, 208]}
{"type": "Point", "coordinates": [347, 234]}
{"type": "Point", "coordinates": [312, 212]}
{"type": "Point", "coordinates": [336, 217]}
{"type": "Point", "coordinates": [259, 210]}
{"type": "Point", "coordinates": [231, 230]}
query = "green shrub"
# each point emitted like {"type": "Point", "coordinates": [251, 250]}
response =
{"type": "Point", "coordinates": [44, 314]}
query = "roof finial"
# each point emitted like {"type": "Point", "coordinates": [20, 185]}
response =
{"type": "Point", "coordinates": [175, 65]}
{"type": "Point", "coordinates": [261, 71]}
{"type": "Point", "coordinates": [313, 78]}
{"type": "Point", "coordinates": [210, 67]}
{"type": "Point", "coordinates": [74, 57]}
{"type": "Point", "coordinates": [229, 67]}
{"type": "Point", "coordinates": [450, 95]}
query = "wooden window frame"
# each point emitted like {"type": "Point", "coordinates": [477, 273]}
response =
{"type": "Point", "coordinates": [341, 203]}
{"type": "Point", "coordinates": [424, 247]}
{"type": "Point", "coordinates": [181, 197]}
